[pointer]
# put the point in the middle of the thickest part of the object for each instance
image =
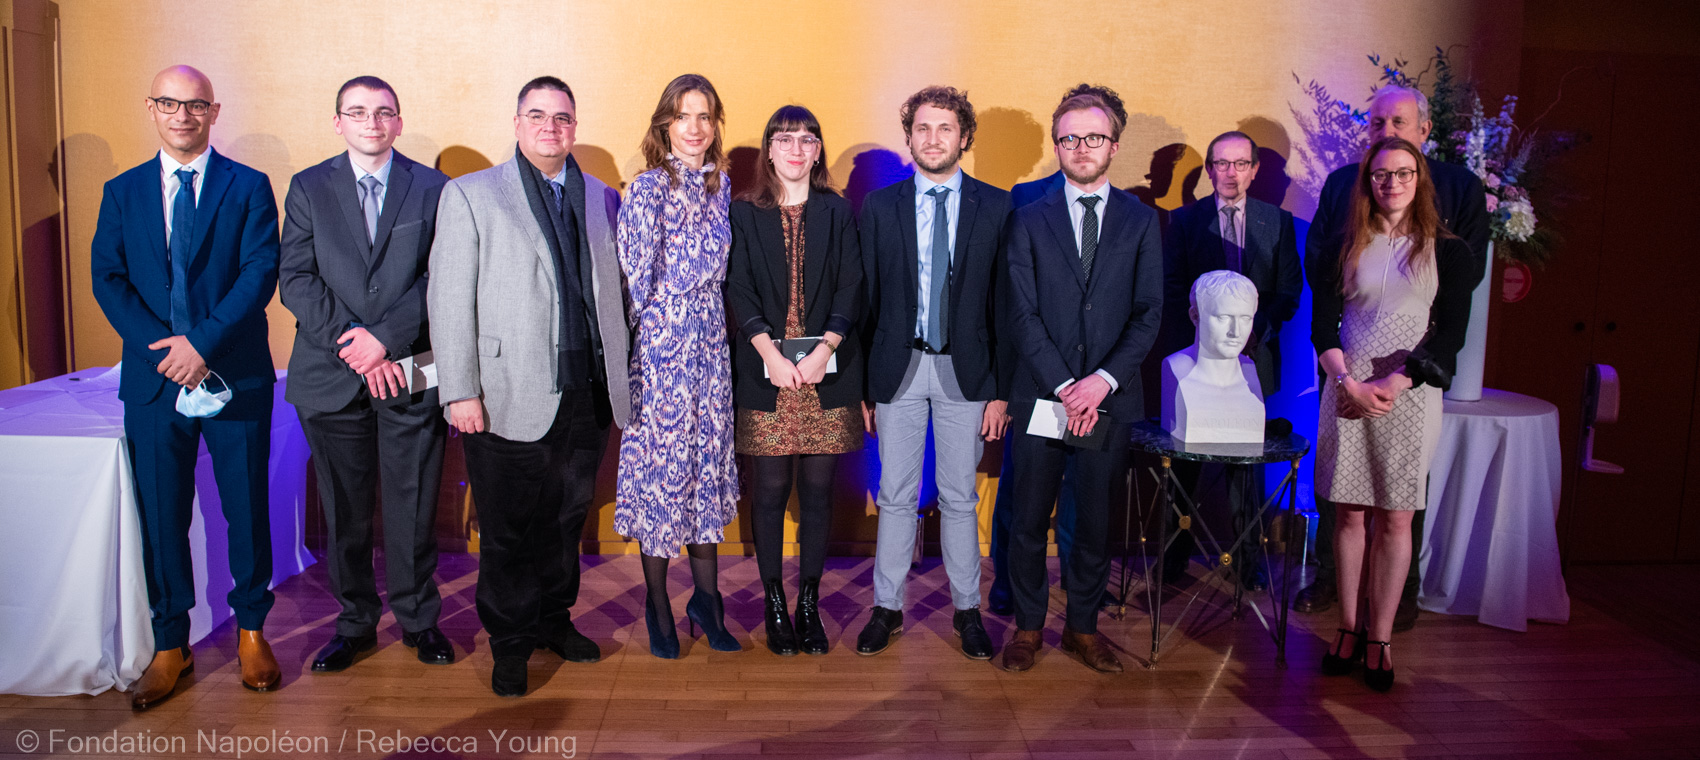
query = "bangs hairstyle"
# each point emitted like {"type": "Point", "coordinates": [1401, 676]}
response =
{"type": "Point", "coordinates": [1421, 223]}
{"type": "Point", "coordinates": [947, 98]}
{"type": "Point", "coordinates": [767, 190]}
{"type": "Point", "coordinates": [370, 83]}
{"type": "Point", "coordinates": [1087, 101]}
{"type": "Point", "coordinates": [656, 143]}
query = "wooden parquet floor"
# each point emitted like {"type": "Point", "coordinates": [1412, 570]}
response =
{"type": "Point", "coordinates": [1607, 685]}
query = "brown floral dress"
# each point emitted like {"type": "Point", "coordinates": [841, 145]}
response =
{"type": "Point", "coordinates": [797, 424]}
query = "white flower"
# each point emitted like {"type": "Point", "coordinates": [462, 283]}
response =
{"type": "Point", "coordinates": [1520, 222]}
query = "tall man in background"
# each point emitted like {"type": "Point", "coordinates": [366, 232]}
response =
{"type": "Point", "coordinates": [355, 244]}
{"type": "Point", "coordinates": [184, 261]}
{"type": "Point", "coordinates": [1462, 200]}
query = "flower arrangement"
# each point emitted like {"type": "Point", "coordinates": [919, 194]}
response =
{"type": "Point", "coordinates": [1508, 158]}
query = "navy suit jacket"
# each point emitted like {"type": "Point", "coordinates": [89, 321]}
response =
{"type": "Point", "coordinates": [1065, 327]}
{"type": "Point", "coordinates": [1270, 259]}
{"type": "Point", "coordinates": [232, 275]}
{"type": "Point", "coordinates": [979, 283]}
{"type": "Point", "coordinates": [331, 276]}
{"type": "Point", "coordinates": [1028, 192]}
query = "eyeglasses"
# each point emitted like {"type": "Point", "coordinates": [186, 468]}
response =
{"type": "Point", "coordinates": [170, 105]}
{"type": "Point", "coordinates": [539, 118]}
{"type": "Point", "coordinates": [1381, 176]}
{"type": "Point", "coordinates": [359, 115]}
{"type": "Point", "coordinates": [1222, 165]}
{"type": "Point", "coordinates": [1071, 142]}
{"type": "Point", "coordinates": [806, 142]}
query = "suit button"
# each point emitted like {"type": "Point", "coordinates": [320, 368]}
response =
{"type": "Point", "coordinates": [1088, 307]}
{"type": "Point", "coordinates": [372, 289]}
{"type": "Point", "coordinates": [1081, 348]}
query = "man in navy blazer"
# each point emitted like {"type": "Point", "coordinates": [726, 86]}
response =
{"type": "Point", "coordinates": [184, 261]}
{"type": "Point", "coordinates": [1086, 274]}
{"type": "Point", "coordinates": [999, 599]}
{"type": "Point", "coordinates": [1462, 200]}
{"type": "Point", "coordinates": [356, 240]}
{"type": "Point", "coordinates": [1229, 229]}
{"type": "Point", "coordinates": [936, 282]}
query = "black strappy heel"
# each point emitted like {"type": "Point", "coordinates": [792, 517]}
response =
{"type": "Point", "coordinates": [1335, 665]}
{"type": "Point", "coordinates": [1379, 679]}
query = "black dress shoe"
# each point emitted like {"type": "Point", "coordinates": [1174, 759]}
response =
{"type": "Point", "coordinates": [976, 643]}
{"type": "Point", "coordinates": [572, 646]}
{"type": "Point", "coordinates": [342, 651]}
{"type": "Point", "coordinates": [1317, 597]}
{"type": "Point", "coordinates": [876, 635]}
{"type": "Point", "coordinates": [1405, 618]}
{"type": "Point", "coordinates": [998, 602]}
{"type": "Point", "coordinates": [508, 679]}
{"type": "Point", "coordinates": [434, 648]}
{"type": "Point", "coordinates": [781, 636]}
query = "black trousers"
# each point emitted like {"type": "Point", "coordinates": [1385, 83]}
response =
{"type": "Point", "coordinates": [532, 500]}
{"type": "Point", "coordinates": [355, 449]}
{"type": "Point", "coordinates": [1099, 480]}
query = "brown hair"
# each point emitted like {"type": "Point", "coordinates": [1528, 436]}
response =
{"type": "Point", "coordinates": [1110, 97]}
{"type": "Point", "coordinates": [766, 191]}
{"type": "Point", "coordinates": [1087, 101]}
{"type": "Point", "coordinates": [947, 98]}
{"type": "Point", "coordinates": [370, 83]}
{"type": "Point", "coordinates": [1421, 223]}
{"type": "Point", "coordinates": [656, 144]}
{"type": "Point", "coordinates": [1210, 151]}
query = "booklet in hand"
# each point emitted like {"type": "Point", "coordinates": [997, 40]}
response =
{"type": "Point", "coordinates": [1050, 420]}
{"type": "Point", "coordinates": [794, 349]}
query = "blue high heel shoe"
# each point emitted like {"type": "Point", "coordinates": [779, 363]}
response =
{"type": "Point", "coordinates": [663, 645]}
{"type": "Point", "coordinates": [709, 614]}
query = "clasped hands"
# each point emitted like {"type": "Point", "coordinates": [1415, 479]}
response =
{"type": "Point", "coordinates": [365, 354]}
{"type": "Point", "coordinates": [1081, 399]}
{"type": "Point", "coordinates": [1369, 400]}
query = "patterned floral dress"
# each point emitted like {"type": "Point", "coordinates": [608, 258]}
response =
{"type": "Point", "coordinates": [678, 477]}
{"type": "Point", "coordinates": [798, 424]}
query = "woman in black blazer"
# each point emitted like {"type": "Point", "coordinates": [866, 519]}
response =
{"type": "Point", "coordinates": [795, 275]}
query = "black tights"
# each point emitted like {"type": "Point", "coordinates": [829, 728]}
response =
{"type": "Point", "coordinates": [705, 569]}
{"type": "Point", "coordinates": [771, 479]}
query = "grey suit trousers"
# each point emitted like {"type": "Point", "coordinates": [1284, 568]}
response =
{"type": "Point", "coordinates": [929, 390]}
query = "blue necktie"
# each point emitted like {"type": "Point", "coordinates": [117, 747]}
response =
{"type": "Point", "coordinates": [182, 226]}
{"type": "Point", "coordinates": [937, 323]}
{"type": "Point", "coordinates": [370, 187]}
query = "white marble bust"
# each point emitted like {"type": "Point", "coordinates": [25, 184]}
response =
{"type": "Point", "coordinates": [1210, 391]}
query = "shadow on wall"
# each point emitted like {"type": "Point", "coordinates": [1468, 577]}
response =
{"type": "Point", "coordinates": [266, 153]}
{"type": "Point", "coordinates": [1008, 144]}
{"type": "Point", "coordinates": [1273, 146]}
{"type": "Point", "coordinates": [1160, 190]}
{"type": "Point", "coordinates": [599, 163]}
{"type": "Point", "coordinates": [742, 171]}
{"type": "Point", "coordinates": [1148, 135]}
{"type": "Point", "coordinates": [867, 167]}
{"type": "Point", "coordinates": [459, 160]}
{"type": "Point", "coordinates": [88, 164]}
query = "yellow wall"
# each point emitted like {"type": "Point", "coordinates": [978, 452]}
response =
{"type": "Point", "coordinates": [1188, 70]}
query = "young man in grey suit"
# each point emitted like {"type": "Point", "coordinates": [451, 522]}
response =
{"type": "Point", "coordinates": [933, 249]}
{"type": "Point", "coordinates": [355, 243]}
{"type": "Point", "coordinates": [1229, 229]}
{"type": "Point", "coordinates": [528, 322]}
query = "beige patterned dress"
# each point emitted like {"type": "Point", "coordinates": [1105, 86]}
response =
{"type": "Point", "coordinates": [1381, 462]}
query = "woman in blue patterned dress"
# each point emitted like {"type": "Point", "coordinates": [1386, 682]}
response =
{"type": "Point", "coordinates": [678, 479]}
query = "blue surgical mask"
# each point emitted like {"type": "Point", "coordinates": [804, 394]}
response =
{"type": "Point", "coordinates": [201, 402]}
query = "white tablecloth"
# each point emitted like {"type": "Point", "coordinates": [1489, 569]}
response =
{"type": "Point", "coordinates": [1491, 536]}
{"type": "Point", "coordinates": [73, 598]}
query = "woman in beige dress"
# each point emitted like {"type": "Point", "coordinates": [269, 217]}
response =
{"type": "Point", "coordinates": [1389, 320]}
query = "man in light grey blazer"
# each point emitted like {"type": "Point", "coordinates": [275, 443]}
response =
{"type": "Point", "coordinates": [528, 324]}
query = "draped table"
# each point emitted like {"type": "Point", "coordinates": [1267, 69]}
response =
{"type": "Point", "coordinates": [1490, 546]}
{"type": "Point", "coordinates": [73, 598]}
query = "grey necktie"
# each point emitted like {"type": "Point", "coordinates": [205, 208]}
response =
{"type": "Point", "coordinates": [370, 188]}
{"type": "Point", "coordinates": [1231, 245]}
{"type": "Point", "coordinates": [1088, 234]}
{"type": "Point", "coordinates": [937, 321]}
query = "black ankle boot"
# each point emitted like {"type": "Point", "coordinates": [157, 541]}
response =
{"type": "Point", "coordinates": [781, 637]}
{"type": "Point", "coordinates": [663, 640]}
{"type": "Point", "coordinates": [709, 614]}
{"type": "Point", "coordinates": [810, 632]}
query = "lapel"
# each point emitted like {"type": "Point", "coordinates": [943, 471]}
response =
{"type": "Point", "coordinates": [967, 208]}
{"type": "Point", "coordinates": [1259, 235]}
{"type": "Point", "coordinates": [906, 226]}
{"type": "Point", "coordinates": [1215, 256]}
{"type": "Point", "coordinates": [348, 199]}
{"type": "Point", "coordinates": [401, 178]}
{"type": "Point", "coordinates": [514, 199]}
{"type": "Point", "coordinates": [604, 263]}
{"type": "Point", "coordinates": [770, 241]}
{"type": "Point", "coordinates": [1055, 213]}
{"type": "Point", "coordinates": [1116, 214]}
{"type": "Point", "coordinates": [817, 228]}
{"type": "Point", "coordinates": [152, 193]}
{"type": "Point", "coordinates": [217, 182]}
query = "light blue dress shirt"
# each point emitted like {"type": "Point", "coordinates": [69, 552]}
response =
{"type": "Point", "coordinates": [924, 221]}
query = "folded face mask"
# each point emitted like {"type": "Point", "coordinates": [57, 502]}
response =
{"type": "Point", "coordinates": [202, 402]}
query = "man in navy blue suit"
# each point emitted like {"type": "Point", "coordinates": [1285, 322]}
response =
{"type": "Point", "coordinates": [998, 599]}
{"type": "Point", "coordinates": [184, 261]}
{"type": "Point", "coordinates": [1086, 276]}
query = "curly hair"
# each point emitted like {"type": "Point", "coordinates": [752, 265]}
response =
{"type": "Point", "coordinates": [947, 98]}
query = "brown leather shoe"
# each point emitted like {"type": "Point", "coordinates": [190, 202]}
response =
{"type": "Point", "coordinates": [1019, 652]}
{"type": "Point", "coordinates": [259, 667]}
{"type": "Point", "coordinates": [1091, 651]}
{"type": "Point", "coordinates": [159, 681]}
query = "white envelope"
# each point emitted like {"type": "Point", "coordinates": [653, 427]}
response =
{"type": "Point", "coordinates": [1049, 420]}
{"type": "Point", "coordinates": [421, 369]}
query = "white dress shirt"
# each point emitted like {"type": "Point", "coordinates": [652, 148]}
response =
{"type": "Point", "coordinates": [383, 175]}
{"type": "Point", "coordinates": [1077, 217]}
{"type": "Point", "coordinates": [924, 205]}
{"type": "Point", "coordinates": [168, 183]}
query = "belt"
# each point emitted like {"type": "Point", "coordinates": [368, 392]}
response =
{"type": "Point", "coordinates": [920, 344]}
